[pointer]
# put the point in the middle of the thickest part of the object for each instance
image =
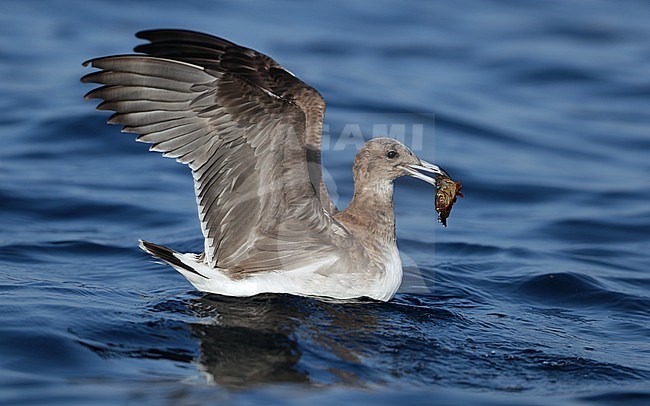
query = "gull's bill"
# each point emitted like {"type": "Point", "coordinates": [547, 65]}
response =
{"type": "Point", "coordinates": [415, 171]}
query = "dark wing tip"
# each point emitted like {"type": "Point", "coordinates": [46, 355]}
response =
{"type": "Point", "coordinates": [142, 48]}
{"type": "Point", "coordinates": [105, 105]}
{"type": "Point", "coordinates": [88, 78]}
{"type": "Point", "coordinates": [156, 32]}
{"type": "Point", "coordinates": [93, 61]}
{"type": "Point", "coordinates": [115, 118]}
{"type": "Point", "coordinates": [145, 34]}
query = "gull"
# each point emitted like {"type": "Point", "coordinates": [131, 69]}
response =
{"type": "Point", "coordinates": [251, 133]}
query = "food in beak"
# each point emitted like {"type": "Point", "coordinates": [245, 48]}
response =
{"type": "Point", "coordinates": [446, 192]}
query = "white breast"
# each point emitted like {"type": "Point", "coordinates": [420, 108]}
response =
{"type": "Point", "coordinates": [392, 278]}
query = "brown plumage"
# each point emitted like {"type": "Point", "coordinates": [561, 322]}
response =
{"type": "Point", "coordinates": [250, 132]}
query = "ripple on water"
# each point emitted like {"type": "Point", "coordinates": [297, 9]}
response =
{"type": "Point", "coordinates": [577, 230]}
{"type": "Point", "coordinates": [576, 290]}
{"type": "Point", "coordinates": [536, 293]}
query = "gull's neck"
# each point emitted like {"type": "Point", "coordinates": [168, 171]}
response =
{"type": "Point", "coordinates": [370, 214]}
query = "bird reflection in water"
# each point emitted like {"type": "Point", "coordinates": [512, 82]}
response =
{"type": "Point", "coordinates": [280, 339]}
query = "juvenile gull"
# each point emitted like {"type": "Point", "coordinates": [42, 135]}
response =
{"type": "Point", "coordinates": [251, 133]}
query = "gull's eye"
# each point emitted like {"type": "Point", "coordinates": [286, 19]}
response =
{"type": "Point", "coordinates": [391, 154]}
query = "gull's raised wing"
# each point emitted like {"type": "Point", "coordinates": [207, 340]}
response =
{"type": "Point", "coordinates": [222, 55]}
{"type": "Point", "coordinates": [246, 148]}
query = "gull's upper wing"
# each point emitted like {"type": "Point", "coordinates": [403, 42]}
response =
{"type": "Point", "coordinates": [222, 55]}
{"type": "Point", "coordinates": [246, 148]}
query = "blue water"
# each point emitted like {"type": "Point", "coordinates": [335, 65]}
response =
{"type": "Point", "coordinates": [537, 292]}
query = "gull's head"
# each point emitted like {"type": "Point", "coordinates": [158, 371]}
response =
{"type": "Point", "coordinates": [386, 158]}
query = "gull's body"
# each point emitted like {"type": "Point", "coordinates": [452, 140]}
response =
{"type": "Point", "coordinates": [251, 133]}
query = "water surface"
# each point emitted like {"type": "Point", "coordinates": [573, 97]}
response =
{"type": "Point", "coordinates": [537, 290]}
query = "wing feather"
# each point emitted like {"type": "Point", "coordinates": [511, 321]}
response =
{"type": "Point", "coordinates": [247, 150]}
{"type": "Point", "coordinates": [220, 54]}
{"type": "Point", "coordinates": [125, 93]}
